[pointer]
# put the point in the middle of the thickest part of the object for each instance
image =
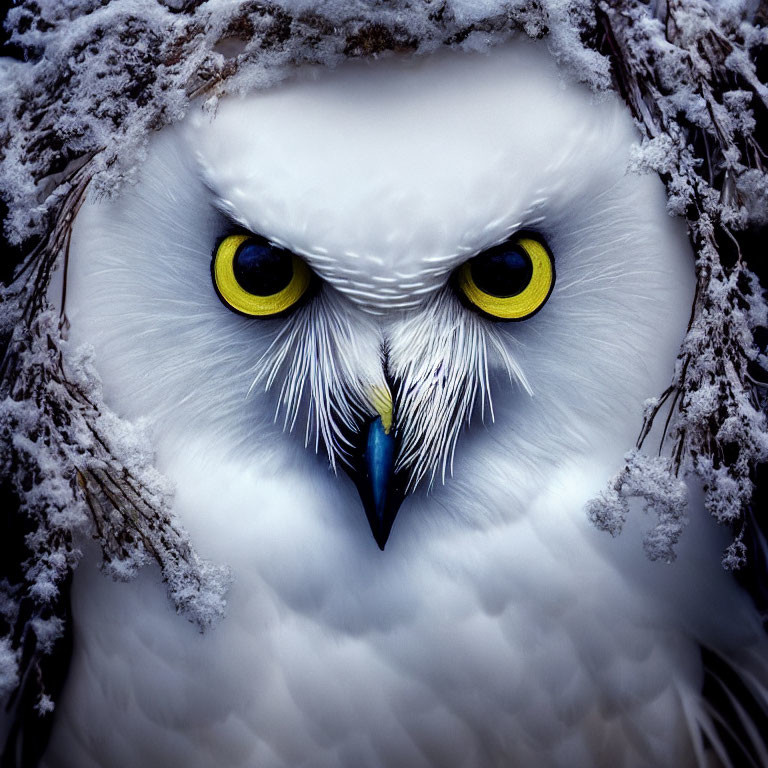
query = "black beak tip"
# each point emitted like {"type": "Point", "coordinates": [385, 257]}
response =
{"type": "Point", "coordinates": [381, 528]}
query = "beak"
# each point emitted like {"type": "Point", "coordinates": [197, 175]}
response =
{"type": "Point", "coordinates": [372, 469]}
{"type": "Point", "coordinates": [374, 475]}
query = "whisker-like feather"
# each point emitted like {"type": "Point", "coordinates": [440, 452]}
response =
{"type": "Point", "coordinates": [442, 363]}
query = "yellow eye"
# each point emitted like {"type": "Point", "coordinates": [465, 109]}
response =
{"type": "Point", "coordinates": [511, 281]}
{"type": "Point", "coordinates": [256, 278]}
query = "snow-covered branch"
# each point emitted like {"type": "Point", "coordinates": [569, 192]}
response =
{"type": "Point", "coordinates": [688, 74]}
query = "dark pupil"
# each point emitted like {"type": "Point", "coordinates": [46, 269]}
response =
{"type": "Point", "coordinates": [261, 268]}
{"type": "Point", "coordinates": [504, 271]}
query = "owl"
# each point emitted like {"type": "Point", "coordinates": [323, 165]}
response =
{"type": "Point", "coordinates": [390, 327]}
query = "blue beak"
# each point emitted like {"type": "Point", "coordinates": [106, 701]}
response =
{"type": "Point", "coordinates": [376, 480]}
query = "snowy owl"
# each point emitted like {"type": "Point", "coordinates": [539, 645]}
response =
{"type": "Point", "coordinates": [390, 327]}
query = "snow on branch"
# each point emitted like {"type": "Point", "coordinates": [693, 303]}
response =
{"type": "Point", "coordinates": [650, 478]}
{"type": "Point", "coordinates": [688, 74]}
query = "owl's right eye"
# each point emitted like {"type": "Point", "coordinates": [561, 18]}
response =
{"type": "Point", "coordinates": [258, 279]}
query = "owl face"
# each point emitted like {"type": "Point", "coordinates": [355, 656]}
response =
{"type": "Point", "coordinates": [428, 272]}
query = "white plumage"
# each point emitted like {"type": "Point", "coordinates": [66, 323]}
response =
{"type": "Point", "coordinates": [498, 628]}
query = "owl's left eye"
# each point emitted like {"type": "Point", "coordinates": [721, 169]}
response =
{"type": "Point", "coordinates": [258, 279]}
{"type": "Point", "coordinates": [510, 281]}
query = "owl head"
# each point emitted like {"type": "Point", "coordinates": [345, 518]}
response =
{"type": "Point", "coordinates": [435, 275]}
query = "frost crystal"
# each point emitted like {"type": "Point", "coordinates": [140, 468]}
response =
{"type": "Point", "coordinates": [9, 673]}
{"type": "Point", "coordinates": [45, 705]}
{"type": "Point", "coordinates": [651, 479]}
